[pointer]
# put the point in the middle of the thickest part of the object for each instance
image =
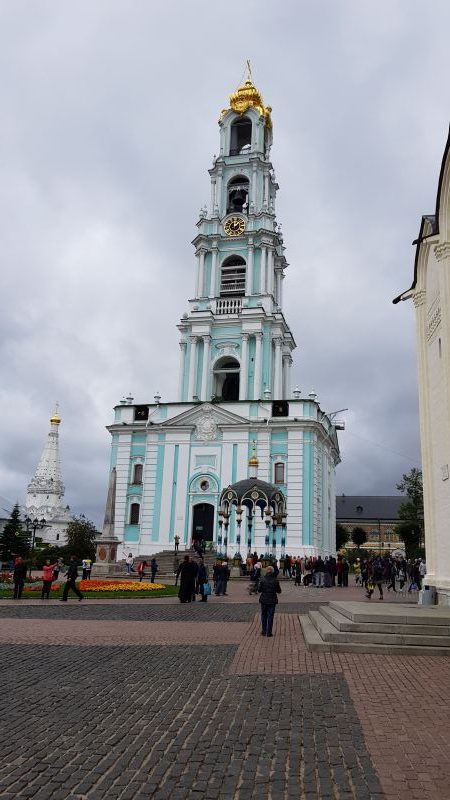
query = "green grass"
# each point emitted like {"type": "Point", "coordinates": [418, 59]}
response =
{"type": "Point", "coordinates": [169, 591]}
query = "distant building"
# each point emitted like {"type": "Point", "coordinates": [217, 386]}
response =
{"type": "Point", "coordinates": [376, 515]}
{"type": "Point", "coordinates": [430, 293]}
{"type": "Point", "coordinates": [46, 491]}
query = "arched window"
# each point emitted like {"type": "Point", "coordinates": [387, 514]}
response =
{"type": "Point", "coordinates": [232, 279]}
{"type": "Point", "coordinates": [226, 379]}
{"type": "Point", "coordinates": [137, 473]}
{"type": "Point", "coordinates": [279, 472]}
{"type": "Point", "coordinates": [238, 195]}
{"type": "Point", "coordinates": [134, 513]}
{"type": "Point", "coordinates": [241, 136]}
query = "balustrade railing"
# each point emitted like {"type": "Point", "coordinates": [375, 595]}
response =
{"type": "Point", "coordinates": [229, 305]}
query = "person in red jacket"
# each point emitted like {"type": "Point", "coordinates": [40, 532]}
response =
{"type": "Point", "coordinates": [47, 578]}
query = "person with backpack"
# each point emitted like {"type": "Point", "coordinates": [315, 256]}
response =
{"type": "Point", "coordinates": [268, 587]}
{"type": "Point", "coordinates": [376, 578]}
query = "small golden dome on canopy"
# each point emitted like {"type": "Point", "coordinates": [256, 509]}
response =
{"type": "Point", "coordinates": [253, 461]}
{"type": "Point", "coordinates": [248, 96]}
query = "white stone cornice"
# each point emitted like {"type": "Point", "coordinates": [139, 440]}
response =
{"type": "Point", "coordinates": [442, 251]}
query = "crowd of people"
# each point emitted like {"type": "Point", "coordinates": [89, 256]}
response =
{"type": "Point", "coordinates": [193, 575]}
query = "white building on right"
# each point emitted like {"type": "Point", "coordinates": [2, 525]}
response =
{"type": "Point", "coordinates": [430, 292]}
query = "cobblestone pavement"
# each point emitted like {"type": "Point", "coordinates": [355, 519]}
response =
{"type": "Point", "coordinates": [113, 726]}
{"type": "Point", "coordinates": [235, 716]}
{"type": "Point", "coordinates": [176, 612]}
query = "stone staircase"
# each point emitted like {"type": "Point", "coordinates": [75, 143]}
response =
{"type": "Point", "coordinates": [165, 560]}
{"type": "Point", "coordinates": [391, 629]}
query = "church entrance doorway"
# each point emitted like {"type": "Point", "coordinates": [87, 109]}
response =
{"type": "Point", "coordinates": [203, 522]}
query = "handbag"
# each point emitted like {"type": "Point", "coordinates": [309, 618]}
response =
{"type": "Point", "coordinates": [206, 589]}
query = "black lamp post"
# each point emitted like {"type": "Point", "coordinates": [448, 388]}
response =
{"type": "Point", "coordinates": [33, 525]}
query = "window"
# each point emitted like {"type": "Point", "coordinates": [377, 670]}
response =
{"type": "Point", "coordinates": [241, 136]}
{"type": "Point", "coordinates": [137, 473]}
{"type": "Point", "coordinates": [57, 537]}
{"type": "Point", "coordinates": [279, 472]}
{"type": "Point", "coordinates": [233, 277]}
{"type": "Point", "coordinates": [134, 513]}
{"type": "Point", "coordinates": [140, 413]}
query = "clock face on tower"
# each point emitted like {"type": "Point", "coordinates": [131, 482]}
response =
{"type": "Point", "coordinates": [234, 226]}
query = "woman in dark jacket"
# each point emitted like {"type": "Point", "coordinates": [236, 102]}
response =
{"type": "Point", "coordinates": [268, 588]}
{"type": "Point", "coordinates": [202, 578]}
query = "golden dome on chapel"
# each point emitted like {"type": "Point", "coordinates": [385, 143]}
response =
{"type": "Point", "coordinates": [55, 419]}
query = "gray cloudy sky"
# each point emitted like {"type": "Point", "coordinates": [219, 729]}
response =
{"type": "Point", "coordinates": [108, 123]}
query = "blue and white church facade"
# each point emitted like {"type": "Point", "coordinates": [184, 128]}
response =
{"type": "Point", "coordinates": [170, 461]}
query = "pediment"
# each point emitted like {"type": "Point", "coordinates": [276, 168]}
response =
{"type": "Point", "coordinates": [205, 415]}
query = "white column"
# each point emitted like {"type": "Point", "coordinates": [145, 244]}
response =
{"type": "Point", "coordinates": [288, 378]}
{"type": "Point", "coordinates": [266, 190]}
{"type": "Point", "coordinates": [193, 340]}
{"type": "Point", "coordinates": [205, 370]}
{"type": "Point", "coordinates": [183, 345]}
{"type": "Point", "coordinates": [277, 389]}
{"type": "Point", "coordinates": [243, 377]}
{"type": "Point", "coordinates": [212, 286]}
{"type": "Point", "coordinates": [263, 269]}
{"type": "Point", "coordinates": [258, 367]}
{"type": "Point", "coordinates": [252, 198]}
{"type": "Point", "coordinates": [286, 366]}
{"type": "Point", "coordinates": [280, 299]}
{"type": "Point", "coordinates": [219, 192]}
{"type": "Point", "coordinates": [270, 272]}
{"type": "Point", "coordinates": [213, 194]}
{"type": "Point", "coordinates": [249, 275]}
{"type": "Point", "coordinates": [201, 274]}
{"type": "Point", "coordinates": [278, 285]}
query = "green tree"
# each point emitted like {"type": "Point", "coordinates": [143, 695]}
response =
{"type": "Point", "coordinates": [410, 529]}
{"type": "Point", "coordinates": [81, 536]}
{"type": "Point", "coordinates": [359, 537]}
{"type": "Point", "coordinates": [342, 536]}
{"type": "Point", "coordinates": [410, 534]}
{"type": "Point", "coordinates": [14, 540]}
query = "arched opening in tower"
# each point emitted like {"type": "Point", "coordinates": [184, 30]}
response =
{"type": "Point", "coordinates": [238, 195]}
{"type": "Point", "coordinates": [232, 281]}
{"type": "Point", "coordinates": [226, 379]}
{"type": "Point", "coordinates": [241, 136]}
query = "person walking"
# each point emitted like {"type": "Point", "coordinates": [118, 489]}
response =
{"type": "Point", "coordinates": [339, 570]}
{"type": "Point", "coordinates": [345, 571]}
{"type": "Point", "coordinates": [176, 540]}
{"type": "Point", "coordinates": [202, 580]}
{"type": "Point", "coordinates": [376, 579]}
{"type": "Point", "coordinates": [153, 569]}
{"type": "Point", "coordinates": [186, 574]}
{"type": "Point", "coordinates": [129, 563]}
{"type": "Point", "coordinates": [71, 576]}
{"type": "Point", "coordinates": [222, 578]}
{"type": "Point", "coordinates": [48, 571]}
{"type": "Point", "coordinates": [57, 569]}
{"type": "Point", "coordinates": [19, 575]}
{"type": "Point", "coordinates": [268, 587]}
{"type": "Point", "coordinates": [141, 570]}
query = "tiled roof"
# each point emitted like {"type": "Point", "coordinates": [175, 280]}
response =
{"type": "Point", "coordinates": [368, 507]}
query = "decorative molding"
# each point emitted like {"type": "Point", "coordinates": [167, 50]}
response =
{"type": "Point", "coordinates": [433, 318]}
{"type": "Point", "coordinates": [206, 428]}
{"type": "Point", "coordinates": [442, 251]}
{"type": "Point", "coordinates": [419, 298]}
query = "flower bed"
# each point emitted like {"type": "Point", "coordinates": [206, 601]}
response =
{"type": "Point", "coordinates": [108, 586]}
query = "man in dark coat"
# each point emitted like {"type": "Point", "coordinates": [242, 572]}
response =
{"type": "Point", "coordinates": [19, 575]}
{"type": "Point", "coordinates": [186, 572]}
{"type": "Point", "coordinates": [71, 575]}
{"type": "Point", "coordinates": [268, 588]}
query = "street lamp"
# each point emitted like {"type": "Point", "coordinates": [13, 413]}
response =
{"type": "Point", "coordinates": [35, 525]}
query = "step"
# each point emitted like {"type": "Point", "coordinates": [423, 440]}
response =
{"type": "Point", "coordinates": [315, 643]}
{"type": "Point", "coordinates": [343, 623]}
{"type": "Point", "coordinates": [392, 613]}
{"type": "Point", "coordinates": [331, 634]}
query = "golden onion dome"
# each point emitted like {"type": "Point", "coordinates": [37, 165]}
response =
{"type": "Point", "coordinates": [253, 461]}
{"type": "Point", "coordinates": [55, 419]}
{"type": "Point", "coordinates": [248, 96]}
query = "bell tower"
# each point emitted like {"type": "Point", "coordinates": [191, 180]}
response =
{"type": "Point", "coordinates": [235, 343]}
